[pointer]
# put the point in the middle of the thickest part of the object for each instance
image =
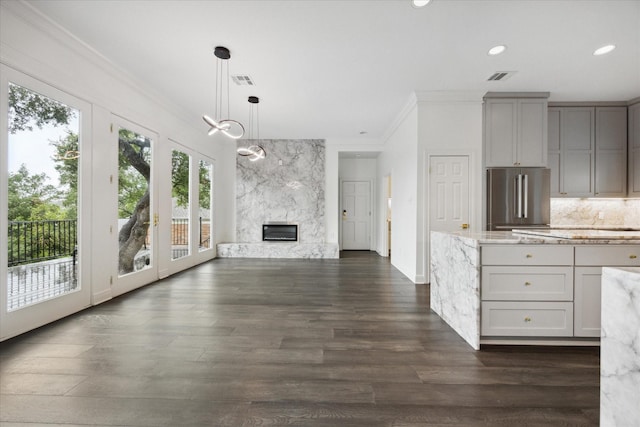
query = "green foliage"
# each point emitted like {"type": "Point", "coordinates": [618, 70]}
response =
{"type": "Point", "coordinates": [66, 163]}
{"type": "Point", "coordinates": [28, 109]}
{"type": "Point", "coordinates": [180, 180]}
{"type": "Point", "coordinates": [204, 172]}
{"type": "Point", "coordinates": [30, 199]}
{"type": "Point", "coordinates": [180, 177]}
{"type": "Point", "coordinates": [134, 158]}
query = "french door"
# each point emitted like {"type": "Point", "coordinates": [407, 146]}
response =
{"type": "Point", "coordinates": [189, 238]}
{"type": "Point", "coordinates": [45, 165]}
{"type": "Point", "coordinates": [135, 230]}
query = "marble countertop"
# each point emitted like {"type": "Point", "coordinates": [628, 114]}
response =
{"type": "Point", "coordinates": [508, 237]}
{"type": "Point", "coordinates": [595, 227]}
{"type": "Point", "coordinates": [582, 234]}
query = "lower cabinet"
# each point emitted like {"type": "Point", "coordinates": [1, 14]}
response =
{"type": "Point", "coordinates": [589, 260]}
{"type": "Point", "coordinates": [527, 319]}
{"type": "Point", "coordinates": [527, 291]}
{"type": "Point", "coordinates": [546, 290]}
{"type": "Point", "coordinates": [587, 301]}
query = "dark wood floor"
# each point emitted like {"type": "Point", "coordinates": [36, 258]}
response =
{"type": "Point", "coordinates": [347, 342]}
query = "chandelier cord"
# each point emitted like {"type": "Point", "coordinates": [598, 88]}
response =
{"type": "Point", "coordinates": [228, 101]}
{"type": "Point", "coordinates": [217, 84]}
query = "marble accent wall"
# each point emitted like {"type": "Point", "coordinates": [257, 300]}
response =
{"type": "Point", "coordinates": [287, 186]}
{"type": "Point", "coordinates": [620, 347]}
{"type": "Point", "coordinates": [586, 212]}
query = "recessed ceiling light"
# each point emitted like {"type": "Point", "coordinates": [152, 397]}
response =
{"type": "Point", "coordinates": [420, 3]}
{"type": "Point", "coordinates": [497, 50]}
{"type": "Point", "coordinates": [604, 49]}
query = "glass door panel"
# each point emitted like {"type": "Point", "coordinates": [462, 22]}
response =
{"type": "Point", "coordinates": [42, 192]}
{"type": "Point", "coordinates": [136, 238]}
{"type": "Point", "coordinates": [180, 210]}
{"type": "Point", "coordinates": [205, 188]}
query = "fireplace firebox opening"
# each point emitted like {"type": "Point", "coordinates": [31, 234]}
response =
{"type": "Point", "coordinates": [279, 232]}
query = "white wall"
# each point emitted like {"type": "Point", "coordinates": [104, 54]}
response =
{"type": "Point", "coordinates": [399, 158]}
{"type": "Point", "coordinates": [31, 44]}
{"type": "Point", "coordinates": [449, 123]}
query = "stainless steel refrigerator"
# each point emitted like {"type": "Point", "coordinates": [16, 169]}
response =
{"type": "Point", "coordinates": [518, 198]}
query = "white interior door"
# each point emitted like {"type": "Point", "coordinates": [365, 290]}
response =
{"type": "Point", "coordinates": [356, 215]}
{"type": "Point", "coordinates": [449, 193]}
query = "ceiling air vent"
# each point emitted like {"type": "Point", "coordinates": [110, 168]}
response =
{"type": "Point", "coordinates": [242, 80]}
{"type": "Point", "coordinates": [500, 76]}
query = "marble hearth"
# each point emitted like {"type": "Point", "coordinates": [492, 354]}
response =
{"type": "Point", "coordinates": [278, 250]}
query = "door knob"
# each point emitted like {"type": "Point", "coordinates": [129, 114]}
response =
{"type": "Point", "coordinates": [464, 226]}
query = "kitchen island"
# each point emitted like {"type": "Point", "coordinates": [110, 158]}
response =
{"type": "Point", "coordinates": [499, 287]}
{"type": "Point", "coordinates": [619, 361]}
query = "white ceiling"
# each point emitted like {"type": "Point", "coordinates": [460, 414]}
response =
{"type": "Point", "coordinates": [332, 69]}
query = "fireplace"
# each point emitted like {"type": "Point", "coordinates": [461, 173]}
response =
{"type": "Point", "coordinates": [279, 232]}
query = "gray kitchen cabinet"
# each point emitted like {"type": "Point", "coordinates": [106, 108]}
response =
{"type": "Point", "coordinates": [571, 149]}
{"type": "Point", "coordinates": [550, 290]}
{"type": "Point", "coordinates": [515, 132]}
{"type": "Point", "coordinates": [611, 152]}
{"type": "Point", "coordinates": [527, 291]}
{"type": "Point", "coordinates": [587, 302]}
{"type": "Point", "coordinates": [588, 151]}
{"type": "Point", "coordinates": [634, 150]}
{"type": "Point", "coordinates": [589, 260]}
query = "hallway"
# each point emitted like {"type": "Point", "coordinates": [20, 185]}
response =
{"type": "Point", "coordinates": [234, 342]}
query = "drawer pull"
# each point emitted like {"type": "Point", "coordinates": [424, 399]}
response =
{"type": "Point", "coordinates": [527, 283]}
{"type": "Point", "coordinates": [527, 319]}
{"type": "Point", "coordinates": [633, 256]}
{"type": "Point", "coordinates": [529, 256]}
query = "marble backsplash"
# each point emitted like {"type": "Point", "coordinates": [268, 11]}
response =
{"type": "Point", "coordinates": [596, 212]}
{"type": "Point", "coordinates": [286, 186]}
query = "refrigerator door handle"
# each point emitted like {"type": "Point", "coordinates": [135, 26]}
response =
{"type": "Point", "coordinates": [525, 195]}
{"type": "Point", "coordinates": [518, 198]}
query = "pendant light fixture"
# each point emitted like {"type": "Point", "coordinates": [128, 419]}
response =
{"type": "Point", "coordinates": [231, 128]}
{"type": "Point", "coordinates": [253, 152]}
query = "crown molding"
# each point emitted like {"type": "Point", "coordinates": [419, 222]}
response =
{"type": "Point", "coordinates": [449, 96]}
{"type": "Point", "coordinates": [410, 105]}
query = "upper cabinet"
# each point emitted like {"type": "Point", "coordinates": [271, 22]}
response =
{"type": "Point", "coordinates": [515, 131]}
{"type": "Point", "coordinates": [634, 150]}
{"type": "Point", "coordinates": [588, 151]}
{"type": "Point", "coordinates": [611, 152]}
{"type": "Point", "coordinates": [571, 151]}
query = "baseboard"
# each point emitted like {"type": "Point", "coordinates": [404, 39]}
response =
{"type": "Point", "coordinates": [101, 297]}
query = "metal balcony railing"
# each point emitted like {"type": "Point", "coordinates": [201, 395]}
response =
{"type": "Point", "coordinates": [36, 241]}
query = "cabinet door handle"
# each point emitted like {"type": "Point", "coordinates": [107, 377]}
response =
{"type": "Point", "coordinates": [527, 319]}
{"type": "Point", "coordinates": [632, 256]}
{"type": "Point", "coordinates": [529, 256]}
{"type": "Point", "coordinates": [527, 283]}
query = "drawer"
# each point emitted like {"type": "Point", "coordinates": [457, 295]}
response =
{"type": "Point", "coordinates": [529, 319]}
{"type": "Point", "coordinates": [614, 255]}
{"type": "Point", "coordinates": [527, 283]}
{"type": "Point", "coordinates": [527, 255]}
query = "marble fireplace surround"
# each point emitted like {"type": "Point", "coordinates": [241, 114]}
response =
{"type": "Point", "coordinates": [286, 187]}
